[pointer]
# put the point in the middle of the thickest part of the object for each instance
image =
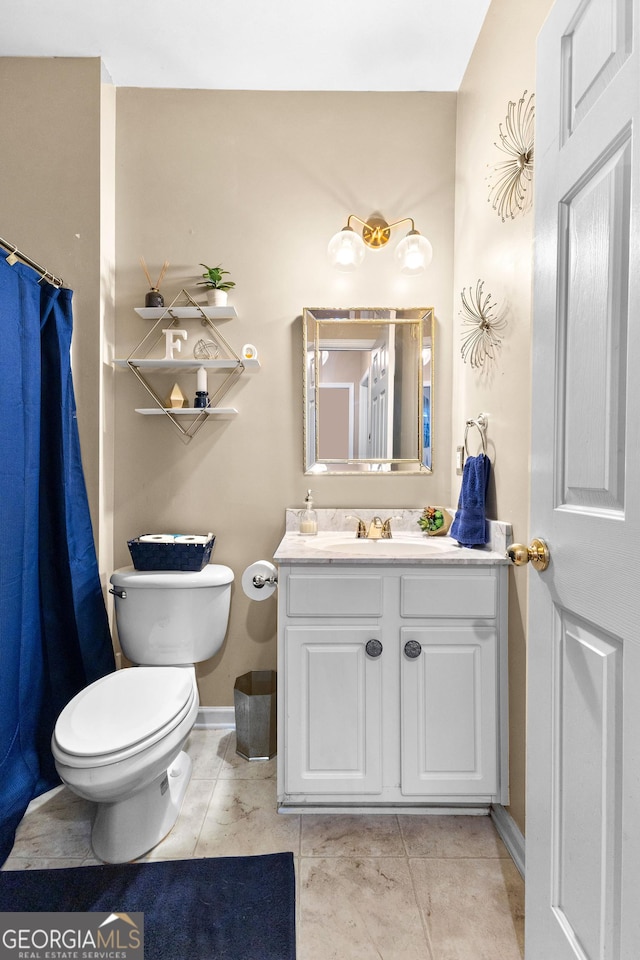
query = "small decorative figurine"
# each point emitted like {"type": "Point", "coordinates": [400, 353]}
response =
{"type": "Point", "coordinates": [177, 399]}
{"type": "Point", "coordinates": [206, 350]}
{"type": "Point", "coordinates": [172, 341]}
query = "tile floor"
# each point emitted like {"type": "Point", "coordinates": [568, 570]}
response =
{"type": "Point", "coordinates": [380, 887]}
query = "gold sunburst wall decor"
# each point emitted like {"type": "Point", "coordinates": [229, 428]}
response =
{"type": "Point", "coordinates": [510, 179]}
{"type": "Point", "coordinates": [482, 322]}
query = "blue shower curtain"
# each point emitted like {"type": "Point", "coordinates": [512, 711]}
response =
{"type": "Point", "coordinates": [54, 634]}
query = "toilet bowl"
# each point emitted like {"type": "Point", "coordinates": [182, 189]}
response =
{"type": "Point", "coordinates": [119, 741]}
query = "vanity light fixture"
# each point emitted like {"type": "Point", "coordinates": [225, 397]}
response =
{"type": "Point", "coordinates": [347, 248]}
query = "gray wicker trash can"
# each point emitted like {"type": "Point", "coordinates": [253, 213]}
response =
{"type": "Point", "coordinates": [254, 698]}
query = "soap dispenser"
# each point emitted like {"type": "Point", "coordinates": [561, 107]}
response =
{"type": "Point", "coordinates": [308, 517]}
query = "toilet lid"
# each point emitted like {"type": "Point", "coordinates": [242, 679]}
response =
{"type": "Point", "coordinates": [122, 709]}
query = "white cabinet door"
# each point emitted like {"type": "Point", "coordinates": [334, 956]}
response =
{"type": "Point", "coordinates": [334, 710]}
{"type": "Point", "coordinates": [449, 711]}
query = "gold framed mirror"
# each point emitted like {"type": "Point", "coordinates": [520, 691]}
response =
{"type": "Point", "coordinates": [368, 390]}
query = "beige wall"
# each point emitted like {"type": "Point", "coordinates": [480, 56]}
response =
{"type": "Point", "coordinates": [260, 182]}
{"type": "Point", "coordinates": [56, 153]}
{"type": "Point", "coordinates": [501, 69]}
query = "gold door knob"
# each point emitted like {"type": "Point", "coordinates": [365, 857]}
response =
{"type": "Point", "coordinates": [537, 552]}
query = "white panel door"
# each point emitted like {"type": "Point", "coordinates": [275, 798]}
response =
{"type": "Point", "coordinates": [583, 775]}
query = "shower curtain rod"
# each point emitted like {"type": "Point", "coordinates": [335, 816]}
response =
{"type": "Point", "coordinates": [15, 253]}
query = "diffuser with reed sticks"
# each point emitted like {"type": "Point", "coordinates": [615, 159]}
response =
{"type": "Point", "coordinates": [154, 298]}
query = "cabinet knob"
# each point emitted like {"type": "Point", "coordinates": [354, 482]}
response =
{"type": "Point", "coordinates": [412, 649]}
{"type": "Point", "coordinates": [373, 648]}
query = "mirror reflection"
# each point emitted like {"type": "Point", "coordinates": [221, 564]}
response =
{"type": "Point", "coordinates": [368, 390]}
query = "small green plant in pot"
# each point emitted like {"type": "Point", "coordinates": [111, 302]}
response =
{"type": "Point", "coordinates": [217, 287]}
{"type": "Point", "coordinates": [435, 521]}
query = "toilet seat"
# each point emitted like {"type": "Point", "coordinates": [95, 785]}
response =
{"type": "Point", "coordinates": [122, 714]}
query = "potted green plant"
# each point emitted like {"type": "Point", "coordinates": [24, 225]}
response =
{"type": "Point", "coordinates": [217, 287]}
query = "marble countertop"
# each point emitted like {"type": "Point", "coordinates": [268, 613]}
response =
{"type": "Point", "coordinates": [333, 544]}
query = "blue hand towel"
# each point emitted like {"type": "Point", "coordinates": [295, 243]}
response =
{"type": "Point", "coordinates": [469, 527]}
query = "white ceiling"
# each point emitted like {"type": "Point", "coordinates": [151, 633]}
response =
{"type": "Point", "coordinates": [390, 45]}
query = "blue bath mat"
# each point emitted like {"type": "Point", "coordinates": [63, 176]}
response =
{"type": "Point", "coordinates": [229, 908]}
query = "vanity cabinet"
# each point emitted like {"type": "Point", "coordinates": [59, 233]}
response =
{"type": "Point", "coordinates": [392, 685]}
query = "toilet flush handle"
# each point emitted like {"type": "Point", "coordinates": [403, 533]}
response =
{"type": "Point", "coordinates": [119, 592]}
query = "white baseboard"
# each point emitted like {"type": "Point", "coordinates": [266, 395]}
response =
{"type": "Point", "coordinates": [210, 718]}
{"type": "Point", "coordinates": [510, 834]}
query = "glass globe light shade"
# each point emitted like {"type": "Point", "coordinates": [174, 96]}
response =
{"type": "Point", "coordinates": [346, 250]}
{"type": "Point", "coordinates": [414, 253]}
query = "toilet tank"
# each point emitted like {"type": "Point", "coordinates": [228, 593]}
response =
{"type": "Point", "coordinates": [167, 617]}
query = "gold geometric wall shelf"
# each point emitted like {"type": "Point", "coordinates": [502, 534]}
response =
{"type": "Point", "coordinates": [144, 359]}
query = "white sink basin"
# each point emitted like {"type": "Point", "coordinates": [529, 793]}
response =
{"type": "Point", "coordinates": [396, 547]}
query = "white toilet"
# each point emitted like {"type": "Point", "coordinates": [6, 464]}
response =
{"type": "Point", "coordinates": [119, 741]}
